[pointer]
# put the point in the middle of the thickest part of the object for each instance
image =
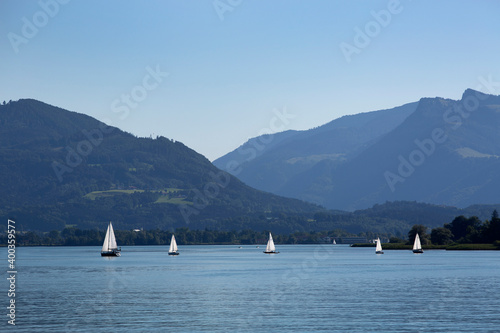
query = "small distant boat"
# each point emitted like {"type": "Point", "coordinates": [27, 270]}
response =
{"type": "Point", "coordinates": [417, 247]}
{"type": "Point", "coordinates": [334, 242]}
{"type": "Point", "coordinates": [172, 251]}
{"type": "Point", "coordinates": [270, 248]}
{"type": "Point", "coordinates": [109, 247]}
{"type": "Point", "coordinates": [378, 248]}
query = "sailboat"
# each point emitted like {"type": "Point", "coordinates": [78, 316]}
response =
{"type": "Point", "coordinates": [417, 247]}
{"type": "Point", "coordinates": [334, 242]}
{"type": "Point", "coordinates": [172, 251]}
{"type": "Point", "coordinates": [270, 249]}
{"type": "Point", "coordinates": [378, 248]}
{"type": "Point", "coordinates": [109, 247]}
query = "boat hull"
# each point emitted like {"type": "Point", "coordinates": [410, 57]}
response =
{"type": "Point", "coordinates": [379, 252]}
{"type": "Point", "coordinates": [271, 252]}
{"type": "Point", "coordinates": [173, 253]}
{"type": "Point", "coordinates": [418, 251]}
{"type": "Point", "coordinates": [110, 254]}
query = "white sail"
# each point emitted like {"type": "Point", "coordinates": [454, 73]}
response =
{"type": "Point", "coordinates": [334, 242]}
{"type": "Point", "coordinates": [270, 244]}
{"type": "Point", "coordinates": [173, 245]}
{"type": "Point", "coordinates": [416, 244]}
{"type": "Point", "coordinates": [105, 245]}
{"type": "Point", "coordinates": [379, 246]}
{"type": "Point", "coordinates": [110, 240]}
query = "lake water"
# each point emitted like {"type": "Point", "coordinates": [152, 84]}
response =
{"type": "Point", "coordinates": [305, 288]}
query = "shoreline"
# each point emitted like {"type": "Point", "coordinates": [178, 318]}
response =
{"type": "Point", "coordinates": [450, 247]}
{"type": "Point", "coordinates": [385, 246]}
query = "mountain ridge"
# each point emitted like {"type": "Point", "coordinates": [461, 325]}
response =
{"type": "Point", "coordinates": [340, 139]}
{"type": "Point", "coordinates": [51, 159]}
{"type": "Point", "coordinates": [162, 184]}
{"type": "Point", "coordinates": [411, 161]}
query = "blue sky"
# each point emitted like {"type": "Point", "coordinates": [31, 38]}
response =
{"type": "Point", "coordinates": [226, 68]}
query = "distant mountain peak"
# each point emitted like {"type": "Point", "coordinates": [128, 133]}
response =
{"type": "Point", "coordinates": [433, 147]}
{"type": "Point", "coordinates": [434, 101]}
{"type": "Point", "coordinates": [474, 93]}
{"type": "Point", "coordinates": [32, 103]}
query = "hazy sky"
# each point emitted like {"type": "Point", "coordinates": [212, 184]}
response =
{"type": "Point", "coordinates": [212, 74]}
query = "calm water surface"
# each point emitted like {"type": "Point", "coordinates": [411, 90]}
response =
{"type": "Point", "coordinates": [305, 288]}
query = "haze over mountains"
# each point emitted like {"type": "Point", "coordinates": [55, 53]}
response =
{"type": "Point", "coordinates": [436, 150]}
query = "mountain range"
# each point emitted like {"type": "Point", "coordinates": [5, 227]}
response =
{"type": "Point", "coordinates": [60, 168]}
{"type": "Point", "coordinates": [439, 151]}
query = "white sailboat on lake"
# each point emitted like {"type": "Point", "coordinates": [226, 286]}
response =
{"type": "Point", "coordinates": [417, 247]}
{"type": "Point", "coordinates": [270, 248]}
{"type": "Point", "coordinates": [172, 251]}
{"type": "Point", "coordinates": [109, 246]}
{"type": "Point", "coordinates": [378, 248]}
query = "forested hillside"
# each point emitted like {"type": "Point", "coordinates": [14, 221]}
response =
{"type": "Point", "coordinates": [61, 168]}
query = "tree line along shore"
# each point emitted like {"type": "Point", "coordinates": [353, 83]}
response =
{"type": "Point", "coordinates": [463, 233]}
